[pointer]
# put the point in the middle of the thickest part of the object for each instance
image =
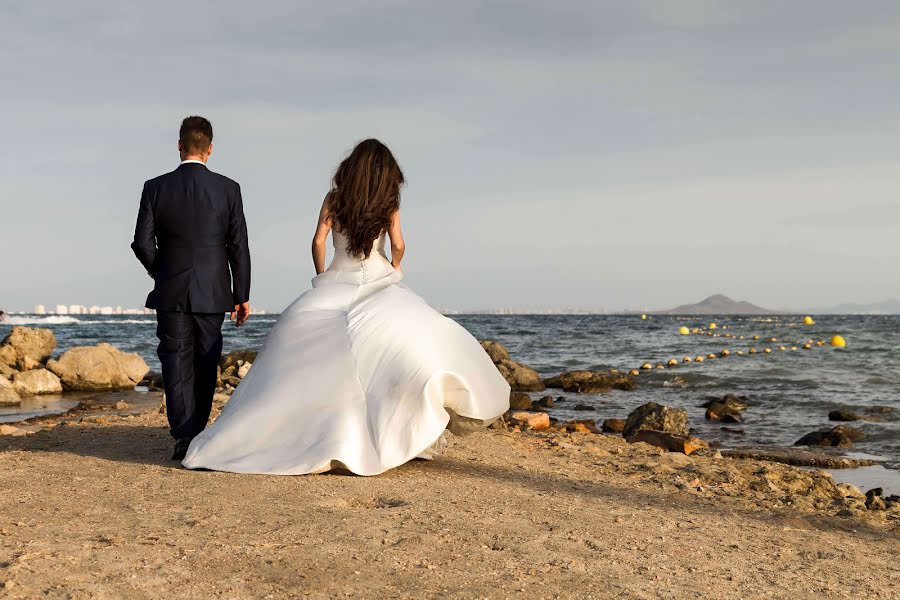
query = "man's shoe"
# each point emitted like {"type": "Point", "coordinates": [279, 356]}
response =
{"type": "Point", "coordinates": [181, 448]}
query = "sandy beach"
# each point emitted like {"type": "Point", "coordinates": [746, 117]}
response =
{"type": "Point", "coordinates": [93, 508]}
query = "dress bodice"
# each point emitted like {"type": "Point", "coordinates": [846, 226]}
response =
{"type": "Point", "coordinates": [352, 268]}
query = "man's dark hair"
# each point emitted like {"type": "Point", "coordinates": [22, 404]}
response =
{"type": "Point", "coordinates": [196, 135]}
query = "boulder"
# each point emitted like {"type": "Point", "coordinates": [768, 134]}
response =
{"type": "Point", "coordinates": [729, 401]}
{"type": "Point", "coordinates": [12, 431]}
{"type": "Point", "coordinates": [519, 401]}
{"type": "Point", "coordinates": [530, 420]}
{"type": "Point", "coordinates": [520, 377]}
{"type": "Point", "coordinates": [591, 381]}
{"type": "Point", "coordinates": [656, 417]}
{"type": "Point", "coordinates": [614, 425]}
{"type": "Point", "coordinates": [874, 501]}
{"type": "Point", "coordinates": [495, 350]}
{"type": "Point", "coordinates": [583, 407]}
{"type": "Point", "coordinates": [244, 369]}
{"type": "Point", "coordinates": [544, 402]}
{"type": "Point", "coordinates": [579, 426]}
{"type": "Point", "coordinates": [232, 358]}
{"type": "Point", "coordinates": [26, 345]}
{"type": "Point", "coordinates": [668, 441]}
{"type": "Point", "coordinates": [725, 410]}
{"type": "Point", "coordinates": [8, 396]}
{"type": "Point", "coordinates": [840, 436]}
{"type": "Point", "coordinates": [6, 371]}
{"type": "Point", "coordinates": [38, 381]}
{"type": "Point", "coordinates": [844, 415]}
{"type": "Point", "coordinates": [99, 368]}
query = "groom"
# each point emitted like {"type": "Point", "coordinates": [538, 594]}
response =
{"type": "Point", "coordinates": [190, 230]}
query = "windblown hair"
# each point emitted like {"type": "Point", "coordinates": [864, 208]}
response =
{"type": "Point", "coordinates": [196, 134]}
{"type": "Point", "coordinates": [365, 193]}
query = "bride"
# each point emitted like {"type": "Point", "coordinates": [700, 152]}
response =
{"type": "Point", "coordinates": [359, 372]}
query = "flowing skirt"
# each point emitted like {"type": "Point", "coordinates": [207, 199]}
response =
{"type": "Point", "coordinates": [361, 376]}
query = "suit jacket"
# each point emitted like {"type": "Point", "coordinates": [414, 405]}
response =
{"type": "Point", "coordinates": [190, 230]}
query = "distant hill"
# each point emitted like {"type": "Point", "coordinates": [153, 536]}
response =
{"type": "Point", "coordinates": [719, 305]}
{"type": "Point", "coordinates": [887, 307]}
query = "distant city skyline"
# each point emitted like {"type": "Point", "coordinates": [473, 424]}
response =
{"type": "Point", "coordinates": [593, 155]}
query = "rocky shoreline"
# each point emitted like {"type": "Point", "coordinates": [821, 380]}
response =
{"type": "Point", "coordinates": [106, 377]}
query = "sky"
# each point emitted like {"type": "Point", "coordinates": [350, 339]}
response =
{"type": "Point", "coordinates": [568, 154]}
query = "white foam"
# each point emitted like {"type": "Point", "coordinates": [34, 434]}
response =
{"type": "Point", "coordinates": [51, 320]}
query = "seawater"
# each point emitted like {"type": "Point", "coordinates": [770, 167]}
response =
{"type": "Point", "coordinates": [791, 391]}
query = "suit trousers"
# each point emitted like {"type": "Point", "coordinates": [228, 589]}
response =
{"type": "Point", "coordinates": [190, 347]}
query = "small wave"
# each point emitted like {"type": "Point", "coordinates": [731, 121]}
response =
{"type": "Point", "coordinates": [51, 320]}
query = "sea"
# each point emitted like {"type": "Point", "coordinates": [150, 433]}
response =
{"type": "Point", "coordinates": [791, 390]}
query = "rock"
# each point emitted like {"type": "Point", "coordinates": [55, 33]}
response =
{"type": "Point", "coordinates": [874, 500]}
{"type": "Point", "coordinates": [848, 490]}
{"type": "Point", "coordinates": [244, 369]}
{"type": "Point", "coordinates": [843, 415]}
{"type": "Point", "coordinates": [880, 410]}
{"type": "Point", "coordinates": [668, 441]}
{"type": "Point", "coordinates": [544, 402]}
{"type": "Point", "coordinates": [519, 401]}
{"type": "Point", "coordinates": [8, 396]}
{"type": "Point", "coordinates": [727, 409]}
{"type": "Point", "coordinates": [26, 343]}
{"type": "Point", "coordinates": [153, 380]}
{"type": "Point", "coordinates": [840, 436]}
{"type": "Point", "coordinates": [821, 459]}
{"type": "Point", "coordinates": [531, 420]}
{"type": "Point", "coordinates": [614, 425]}
{"type": "Point", "coordinates": [121, 405]}
{"type": "Point", "coordinates": [99, 368]}
{"type": "Point", "coordinates": [591, 381]}
{"type": "Point", "coordinates": [582, 427]}
{"type": "Point", "coordinates": [38, 381]}
{"type": "Point", "coordinates": [232, 358]}
{"type": "Point", "coordinates": [583, 407]}
{"type": "Point", "coordinates": [731, 401]}
{"type": "Point", "coordinates": [656, 417]}
{"type": "Point", "coordinates": [520, 377]}
{"type": "Point", "coordinates": [6, 371]}
{"type": "Point", "coordinates": [11, 431]}
{"type": "Point", "coordinates": [495, 350]}
{"type": "Point", "coordinates": [232, 380]}
{"type": "Point", "coordinates": [219, 398]}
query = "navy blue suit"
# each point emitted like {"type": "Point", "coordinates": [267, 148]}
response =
{"type": "Point", "coordinates": [191, 236]}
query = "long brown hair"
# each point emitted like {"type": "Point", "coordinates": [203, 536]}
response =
{"type": "Point", "coordinates": [365, 193]}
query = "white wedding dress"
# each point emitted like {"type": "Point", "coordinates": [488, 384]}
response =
{"type": "Point", "coordinates": [358, 373]}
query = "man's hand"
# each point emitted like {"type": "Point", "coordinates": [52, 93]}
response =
{"type": "Point", "coordinates": [240, 314]}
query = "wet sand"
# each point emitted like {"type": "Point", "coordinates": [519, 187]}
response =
{"type": "Point", "coordinates": [94, 509]}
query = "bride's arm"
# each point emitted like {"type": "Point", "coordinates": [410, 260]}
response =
{"type": "Point", "coordinates": [398, 247]}
{"type": "Point", "coordinates": [321, 237]}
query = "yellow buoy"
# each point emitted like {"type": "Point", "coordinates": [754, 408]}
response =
{"type": "Point", "coordinates": [700, 359]}
{"type": "Point", "coordinates": [773, 340]}
{"type": "Point", "coordinates": [782, 348]}
{"type": "Point", "coordinates": [755, 337]}
{"type": "Point", "coordinates": [712, 325]}
{"type": "Point", "coordinates": [643, 317]}
{"type": "Point", "coordinates": [634, 372]}
{"type": "Point", "coordinates": [687, 359]}
{"type": "Point", "coordinates": [807, 320]}
{"type": "Point", "coordinates": [793, 348]}
{"type": "Point", "coordinates": [646, 366]}
{"type": "Point", "coordinates": [752, 350]}
{"type": "Point", "coordinates": [820, 343]}
{"type": "Point", "coordinates": [740, 353]}
{"type": "Point", "coordinates": [726, 352]}
{"type": "Point", "coordinates": [768, 350]}
{"type": "Point", "coordinates": [660, 366]}
{"type": "Point", "coordinates": [710, 355]}
{"type": "Point", "coordinates": [684, 330]}
{"type": "Point", "coordinates": [807, 346]}
{"type": "Point", "coordinates": [672, 362]}
{"type": "Point", "coordinates": [838, 342]}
